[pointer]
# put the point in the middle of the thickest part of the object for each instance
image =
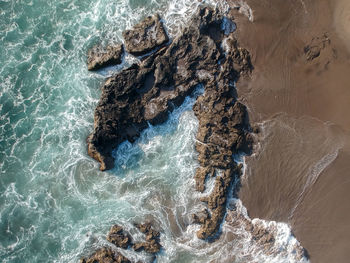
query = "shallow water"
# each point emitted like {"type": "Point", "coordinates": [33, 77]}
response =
{"type": "Point", "coordinates": [55, 206]}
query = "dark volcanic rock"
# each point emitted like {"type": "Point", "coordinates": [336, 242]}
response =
{"type": "Point", "coordinates": [119, 237]}
{"type": "Point", "coordinates": [145, 36]}
{"type": "Point", "coordinates": [152, 244]}
{"type": "Point", "coordinates": [105, 255]}
{"type": "Point", "coordinates": [99, 57]}
{"type": "Point", "coordinates": [146, 92]}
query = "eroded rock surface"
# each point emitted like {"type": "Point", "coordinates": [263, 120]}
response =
{"type": "Point", "coordinates": [119, 237]}
{"type": "Point", "coordinates": [222, 133]}
{"type": "Point", "coordinates": [152, 244]}
{"type": "Point", "coordinates": [146, 92]}
{"type": "Point", "coordinates": [105, 255]}
{"type": "Point", "coordinates": [99, 57]}
{"type": "Point", "coordinates": [145, 36]}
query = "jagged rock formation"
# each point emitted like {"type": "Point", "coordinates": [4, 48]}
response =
{"type": "Point", "coordinates": [99, 57]}
{"type": "Point", "coordinates": [152, 244]}
{"type": "Point", "coordinates": [223, 133]}
{"type": "Point", "coordinates": [146, 92]}
{"type": "Point", "coordinates": [119, 237]}
{"type": "Point", "coordinates": [105, 255]}
{"type": "Point", "coordinates": [145, 36]}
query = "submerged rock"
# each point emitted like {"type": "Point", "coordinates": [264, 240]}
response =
{"type": "Point", "coordinates": [105, 255]}
{"type": "Point", "coordinates": [99, 57]}
{"type": "Point", "coordinates": [264, 237]}
{"type": "Point", "coordinates": [145, 36]}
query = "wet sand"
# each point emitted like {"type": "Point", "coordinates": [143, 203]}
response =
{"type": "Point", "coordinates": [299, 94]}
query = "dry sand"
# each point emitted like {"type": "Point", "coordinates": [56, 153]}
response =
{"type": "Point", "coordinates": [300, 94]}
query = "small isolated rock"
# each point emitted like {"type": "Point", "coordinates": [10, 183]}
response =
{"type": "Point", "coordinates": [105, 255]}
{"type": "Point", "coordinates": [119, 237]}
{"type": "Point", "coordinates": [99, 57]}
{"type": "Point", "coordinates": [315, 47]}
{"type": "Point", "coordinates": [145, 36]}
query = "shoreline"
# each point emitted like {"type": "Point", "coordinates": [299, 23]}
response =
{"type": "Point", "coordinates": [224, 129]}
{"type": "Point", "coordinates": [299, 91]}
{"type": "Point", "coordinates": [298, 56]}
{"type": "Point", "coordinates": [146, 92]}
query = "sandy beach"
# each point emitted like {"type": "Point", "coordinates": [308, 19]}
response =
{"type": "Point", "coordinates": [299, 95]}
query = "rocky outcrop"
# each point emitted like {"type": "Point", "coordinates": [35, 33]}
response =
{"type": "Point", "coordinates": [216, 202]}
{"type": "Point", "coordinates": [222, 133]}
{"type": "Point", "coordinates": [145, 36]}
{"type": "Point", "coordinates": [317, 44]}
{"type": "Point", "coordinates": [146, 92]}
{"type": "Point", "coordinates": [105, 255]}
{"type": "Point", "coordinates": [152, 244]}
{"type": "Point", "coordinates": [119, 237]}
{"type": "Point", "coordinates": [99, 57]}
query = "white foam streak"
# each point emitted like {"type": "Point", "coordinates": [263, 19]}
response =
{"type": "Point", "coordinates": [252, 237]}
{"type": "Point", "coordinates": [314, 173]}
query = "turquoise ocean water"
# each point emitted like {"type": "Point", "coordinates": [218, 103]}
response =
{"type": "Point", "coordinates": [55, 205]}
